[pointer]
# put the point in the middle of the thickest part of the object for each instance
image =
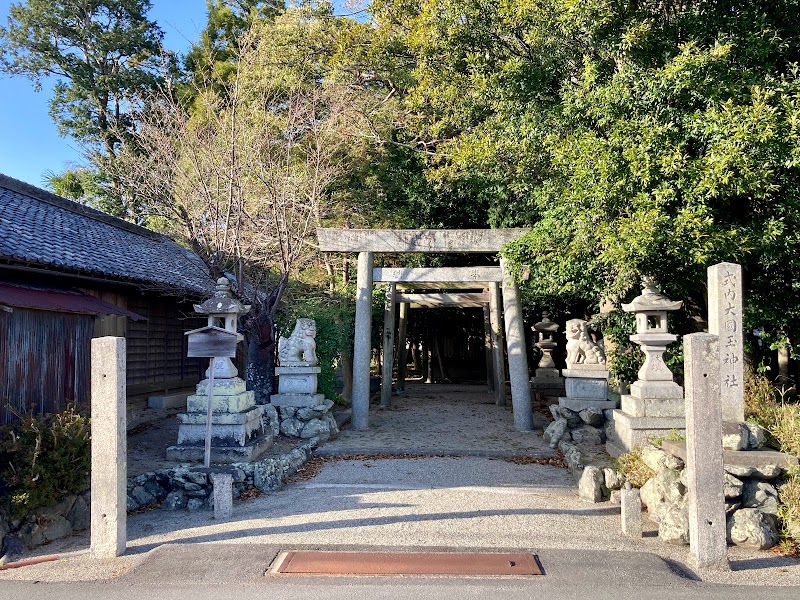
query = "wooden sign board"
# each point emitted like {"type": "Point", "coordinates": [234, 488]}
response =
{"type": "Point", "coordinates": [212, 342]}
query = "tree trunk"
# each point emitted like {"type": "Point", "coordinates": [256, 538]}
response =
{"type": "Point", "coordinates": [261, 358]}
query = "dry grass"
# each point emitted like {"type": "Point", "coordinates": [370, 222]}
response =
{"type": "Point", "coordinates": [631, 466]}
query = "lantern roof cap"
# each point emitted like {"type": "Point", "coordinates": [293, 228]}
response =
{"type": "Point", "coordinates": [222, 302]}
{"type": "Point", "coordinates": [651, 299]}
{"type": "Point", "coordinates": [546, 325]}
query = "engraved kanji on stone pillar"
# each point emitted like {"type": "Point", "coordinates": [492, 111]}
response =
{"type": "Point", "coordinates": [725, 321]}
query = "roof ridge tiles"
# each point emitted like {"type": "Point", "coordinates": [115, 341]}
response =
{"type": "Point", "coordinates": [36, 193]}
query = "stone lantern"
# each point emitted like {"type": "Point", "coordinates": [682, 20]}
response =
{"type": "Point", "coordinates": [222, 410]}
{"type": "Point", "coordinates": [548, 380]}
{"type": "Point", "coordinates": [654, 407]}
{"type": "Point", "coordinates": [653, 336]}
{"type": "Point", "coordinates": [223, 311]}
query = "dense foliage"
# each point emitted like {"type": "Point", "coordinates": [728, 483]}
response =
{"type": "Point", "coordinates": [43, 457]}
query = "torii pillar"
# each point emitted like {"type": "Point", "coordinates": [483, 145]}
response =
{"type": "Point", "coordinates": [368, 241]}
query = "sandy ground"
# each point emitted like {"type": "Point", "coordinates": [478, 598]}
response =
{"type": "Point", "coordinates": [467, 502]}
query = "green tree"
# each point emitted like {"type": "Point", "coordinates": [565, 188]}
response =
{"type": "Point", "coordinates": [104, 54]}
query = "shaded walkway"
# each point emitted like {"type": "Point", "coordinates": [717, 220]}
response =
{"type": "Point", "coordinates": [442, 419]}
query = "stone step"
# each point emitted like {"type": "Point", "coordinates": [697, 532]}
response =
{"type": "Point", "coordinates": [742, 459]}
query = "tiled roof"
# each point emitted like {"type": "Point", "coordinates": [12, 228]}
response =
{"type": "Point", "coordinates": [40, 229]}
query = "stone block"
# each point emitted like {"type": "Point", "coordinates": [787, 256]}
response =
{"type": "Point", "coordinates": [725, 321]}
{"type": "Point", "coordinates": [663, 390]}
{"type": "Point", "coordinates": [226, 429]}
{"type": "Point", "coordinates": [227, 403]}
{"type": "Point", "coordinates": [297, 400]}
{"type": "Point", "coordinates": [735, 436]}
{"type": "Point", "coordinates": [223, 387]}
{"type": "Point", "coordinates": [223, 495]}
{"type": "Point", "coordinates": [579, 404]}
{"type": "Point", "coordinates": [652, 407]}
{"type": "Point", "coordinates": [167, 401]}
{"type": "Point", "coordinates": [747, 462]}
{"type": "Point", "coordinates": [297, 384]}
{"type": "Point", "coordinates": [631, 512]}
{"type": "Point", "coordinates": [751, 528]}
{"type": "Point", "coordinates": [590, 485]}
{"type": "Point", "coordinates": [585, 372]}
{"type": "Point", "coordinates": [629, 432]}
{"type": "Point", "coordinates": [545, 373]}
{"type": "Point", "coordinates": [586, 388]}
{"type": "Point", "coordinates": [250, 452]}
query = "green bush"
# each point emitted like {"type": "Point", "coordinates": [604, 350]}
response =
{"type": "Point", "coordinates": [769, 408]}
{"type": "Point", "coordinates": [633, 468]}
{"type": "Point", "coordinates": [43, 458]}
{"type": "Point", "coordinates": [334, 320]}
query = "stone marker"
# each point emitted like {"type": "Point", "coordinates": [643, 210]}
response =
{"type": "Point", "coordinates": [705, 475]}
{"type": "Point", "coordinates": [223, 495]}
{"type": "Point", "coordinates": [631, 511]}
{"type": "Point", "coordinates": [498, 343]}
{"type": "Point", "coordinates": [109, 476]}
{"type": "Point", "coordinates": [725, 321]}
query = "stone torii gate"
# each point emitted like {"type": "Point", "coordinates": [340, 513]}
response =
{"type": "Point", "coordinates": [369, 241]}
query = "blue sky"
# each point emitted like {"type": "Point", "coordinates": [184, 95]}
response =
{"type": "Point", "coordinates": [29, 142]}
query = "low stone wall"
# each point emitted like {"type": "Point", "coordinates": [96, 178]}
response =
{"type": "Point", "coordinates": [586, 426]}
{"type": "Point", "coordinates": [178, 488]}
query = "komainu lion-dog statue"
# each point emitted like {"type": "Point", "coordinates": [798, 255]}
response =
{"type": "Point", "coordinates": [581, 349]}
{"type": "Point", "coordinates": [300, 348]}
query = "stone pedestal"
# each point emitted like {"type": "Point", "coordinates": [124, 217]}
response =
{"type": "Point", "coordinates": [548, 382]}
{"type": "Point", "coordinates": [302, 411]}
{"type": "Point", "coordinates": [585, 387]}
{"type": "Point", "coordinates": [237, 431]}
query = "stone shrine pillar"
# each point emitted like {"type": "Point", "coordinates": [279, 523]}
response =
{"type": "Point", "coordinates": [517, 354]}
{"type": "Point", "coordinates": [498, 343]}
{"type": "Point", "coordinates": [725, 321]}
{"type": "Point", "coordinates": [547, 380]}
{"type": "Point", "coordinates": [655, 405]}
{"type": "Point", "coordinates": [361, 342]}
{"type": "Point", "coordinates": [388, 346]}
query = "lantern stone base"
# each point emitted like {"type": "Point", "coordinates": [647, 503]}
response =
{"type": "Point", "coordinates": [237, 430]}
{"type": "Point", "coordinates": [548, 382]}
{"type": "Point", "coordinates": [297, 400]}
{"type": "Point", "coordinates": [625, 432]}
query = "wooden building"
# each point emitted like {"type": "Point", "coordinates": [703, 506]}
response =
{"type": "Point", "coordinates": [69, 273]}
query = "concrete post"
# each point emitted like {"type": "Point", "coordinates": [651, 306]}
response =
{"type": "Point", "coordinates": [725, 321]}
{"type": "Point", "coordinates": [487, 341]}
{"type": "Point", "coordinates": [517, 354]}
{"type": "Point", "coordinates": [223, 495]}
{"type": "Point", "coordinates": [497, 344]}
{"type": "Point", "coordinates": [388, 346]}
{"type": "Point", "coordinates": [361, 343]}
{"type": "Point", "coordinates": [109, 477]}
{"type": "Point", "coordinates": [707, 535]}
{"type": "Point", "coordinates": [401, 348]}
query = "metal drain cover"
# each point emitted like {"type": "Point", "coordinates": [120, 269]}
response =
{"type": "Point", "coordinates": [318, 562]}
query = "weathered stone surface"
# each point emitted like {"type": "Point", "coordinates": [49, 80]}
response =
{"type": "Point", "coordinates": [735, 436]}
{"type": "Point", "coordinates": [195, 504]}
{"type": "Point", "coordinates": [272, 421]}
{"type": "Point", "coordinates": [57, 528]}
{"type": "Point", "coordinates": [760, 495]}
{"type": "Point", "coordinates": [613, 479]}
{"type": "Point", "coordinates": [591, 389]}
{"type": "Point", "coordinates": [140, 495]}
{"type": "Point", "coordinates": [733, 486]}
{"type": "Point", "coordinates": [631, 512]}
{"type": "Point", "coordinates": [757, 436]}
{"type": "Point", "coordinates": [588, 435]}
{"type": "Point", "coordinates": [572, 457]}
{"type": "Point", "coordinates": [673, 525]}
{"type": "Point", "coordinates": [592, 416]}
{"type": "Point", "coordinates": [665, 488]}
{"type": "Point", "coordinates": [573, 417]}
{"type": "Point", "coordinates": [725, 321]}
{"type": "Point", "coordinates": [615, 497]}
{"type": "Point", "coordinates": [316, 428]}
{"type": "Point", "coordinates": [731, 507]}
{"type": "Point", "coordinates": [590, 485]}
{"type": "Point", "coordinates": [31, 534]}
{"type": "Point", "coordinates": [290, 427]}
{"type": "Point", "coordinates": [751, 528]}
{"type": "Point", "coordinates": [437, 274]}
{"type": "Point", "coordinates": [417, 240]}
{"type": "Point", "coordinates": [738, 463]}
{"type": "Point", "coordinates": [554, 411]}
{"type": "Point", "coordinates": [79, 514]}
{"type": "Point", "coordinates": [176, 500]}
{"type": "Point", "coordinates": [222, 498]}
{"type": "Point", "coordinates": [555, 431]}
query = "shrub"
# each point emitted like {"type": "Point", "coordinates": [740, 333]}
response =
{"type": "Point", "coordinates": [43, 458]}
{"type": "Point", "coordinates": [633, 468]}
